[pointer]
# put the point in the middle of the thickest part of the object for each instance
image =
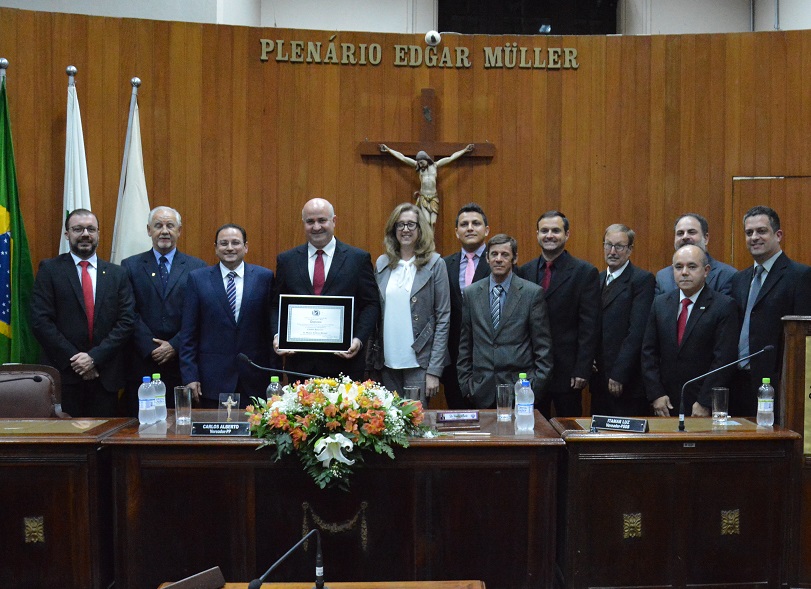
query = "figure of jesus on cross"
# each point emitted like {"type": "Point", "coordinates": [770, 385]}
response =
{"type": "Point", "coordinates": [426, 197]}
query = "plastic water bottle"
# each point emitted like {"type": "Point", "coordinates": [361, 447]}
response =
{"type": "Point", "coordinates": [274, 388]}
{"type": "Point", "coordinates": [521, 376]}
{"type": "Point", "coordinates": [146, 402]}
{"type": "Point", "coordinates": [159, 393]}
{"type": "Point", "coordinates": [765, 403]}
{"type": "Point", "coordinates": [524, 408]}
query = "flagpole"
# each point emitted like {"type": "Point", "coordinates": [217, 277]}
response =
{"type": "Point", "coordinates": [136, 82]}
{"type": "Point", "coordinates": [71, 72]}
{"type": "Point", "coordinates": [3, 66]}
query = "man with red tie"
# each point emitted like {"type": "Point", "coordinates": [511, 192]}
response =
{"type": "Point", "coordinates": [328, 267]}
{"type": "Point", "coordinates": [82, 314]}
{"type": "Point", "coordinates": [690, 332]}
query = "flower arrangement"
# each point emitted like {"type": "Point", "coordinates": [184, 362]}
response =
{"type": "Point", "coordinates": [329, 423]}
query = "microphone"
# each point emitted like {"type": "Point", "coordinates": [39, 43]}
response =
{"type": "Point", "coordinates": [769, 348]}
{"type": "Point", "coordinates": [245, 358]}
{"type": "Point", "coordinates": [34, 377]}
{"type": "Point", "coordinates": [319, 562]}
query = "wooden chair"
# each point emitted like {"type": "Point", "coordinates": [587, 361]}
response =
{"type": "Point", "coordinates": [30, 391]}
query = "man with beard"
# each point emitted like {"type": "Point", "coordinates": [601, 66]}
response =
{"type": "Point", "coordinates": [693, 229]}
{"type": "Point", "coordinates": [82, 314]}
{"type": "Point", "coordinates": [572, 292]}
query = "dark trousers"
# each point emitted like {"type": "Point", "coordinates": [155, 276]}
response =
{"type": "Point", "coordinates": [450, 384]}
{"type": "Point", "coordinates": [567, 404]}
{"type": "Point", "coordinates": [743, 394]}
{"type": "Point", "coordinates": [89, 399]}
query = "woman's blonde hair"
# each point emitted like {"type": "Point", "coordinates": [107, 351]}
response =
{"type": "Point", "coordinates": [425, 237]}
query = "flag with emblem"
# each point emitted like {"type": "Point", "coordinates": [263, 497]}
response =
{"type": "Point", "coordinates": [17, 343]}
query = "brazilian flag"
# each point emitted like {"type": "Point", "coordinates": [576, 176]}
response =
{"type": "Point", "coordinates": [17, 343]}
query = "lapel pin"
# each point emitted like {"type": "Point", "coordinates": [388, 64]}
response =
{"type": "Point", "coordinates": [153, 275]}
{"type": "Point", "coordinates": [702, 308]}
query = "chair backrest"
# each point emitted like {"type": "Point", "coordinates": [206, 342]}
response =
{"type": "Point", "coordinates": [29, 391]}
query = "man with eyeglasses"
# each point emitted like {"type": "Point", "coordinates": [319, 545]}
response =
{"type": "Point", "coordinates": [83, 314]}
{"type": "Point", "coordinates": [627, 295]}
{"type": "Point", "coordinates": [328, 267]}
{"type": "Point", "coordinates": [572, 292]}
{"type": "Point", "coordinates": [226, 313]}
{"type": "Point", "coordinates": [693, 229]}
{"type": "Point", "coordinates": [158, 277]}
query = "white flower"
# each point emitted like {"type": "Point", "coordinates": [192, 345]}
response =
{"type": "Point", "coordinates": [351, 394]}
{"type": "Point", "coordinates": [331, 394]}
{"type": "Point", "coordinates": [331, 447]}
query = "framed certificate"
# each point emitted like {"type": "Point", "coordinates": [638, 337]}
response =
{"type": "Point", "coordinates": [315, 323]}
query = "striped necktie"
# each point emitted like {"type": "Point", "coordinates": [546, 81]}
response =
{"type": "Point", "coordinates": [231, 292]}
{"type": "Point", "coordinates": [495, 305]}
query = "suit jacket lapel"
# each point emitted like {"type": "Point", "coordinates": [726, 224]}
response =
{"type": "Point", "coordinates": [561, 272]}
{"type": "Point", "coordinates": [510, 302]}
{"type": "Point", "coordinates": [772, 278]}
{"type": "Point", "coordinates": [703, 302]}
{"type": "Point", "coordinates": [302, 269]}
{"type": "Point", "coordinates": [175, 274]}
{"type": "Point", "coordinates": [218, 287]}
{"type": "Point", "coordinates": [72, 276]}
{"type": "Point", "coordinates": [247, 283]}
{"type": "Point", "coordinates": [453, 271]}
{"type": "Point", "coordinates": [102, 285]}
{"type": "Point", "coordinates": [152, 270]}
{"type": "Point", "coordinates": [338, 259]}
{"type": "Point", "coordinates": [421, 277]}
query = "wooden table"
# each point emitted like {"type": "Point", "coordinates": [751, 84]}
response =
{"type": "Point", "coordinates": [56, 503]}
{"type": "Point", "coordinates": [480, 505]}
{"type": "Point", "coordinates": [708, 507]}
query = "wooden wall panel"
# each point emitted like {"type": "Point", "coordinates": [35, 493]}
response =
{"type": "Point", "coordinates": [646, 128]}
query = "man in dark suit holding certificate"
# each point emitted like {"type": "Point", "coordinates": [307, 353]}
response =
{"type": "Point", "coordinates": [325, 266]}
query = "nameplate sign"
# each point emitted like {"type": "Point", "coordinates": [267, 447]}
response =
{"type": "Point", "coordinates": [620, 424]}
{"type": "Point", "coordinates": [221, 428]}
{"type": "Point", "coordinates": [457, 420]}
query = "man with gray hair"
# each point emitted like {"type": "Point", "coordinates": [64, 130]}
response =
{"type": "Point", "coordinates": [158, 278]}
{"type": "Point", "coordinates": [627, 296]}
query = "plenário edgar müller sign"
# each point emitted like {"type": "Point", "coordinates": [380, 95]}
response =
{"type": "Point", "coordinates": [331, 52]}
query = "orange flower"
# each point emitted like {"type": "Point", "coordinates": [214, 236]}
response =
{"type": "Point", "coordinates": [330, 410]}
{"type": "Point", "coordinates": [333, 425]}
{"type": "Point", "coordinates": [298, 435]}
{"type": "Point", "coordinates": [255, 419]}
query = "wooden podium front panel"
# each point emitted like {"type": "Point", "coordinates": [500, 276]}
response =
{"type": "Point", "coordinates": [668, 509]}
{"type": "Point", "coordinates": [55, 503]}
{"type": "Point", "coordinates": [475, 506]}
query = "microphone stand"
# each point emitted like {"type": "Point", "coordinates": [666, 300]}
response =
{"type": "Point", "coordinates": [768, 348]}
{"type": "Point", "coordinates": [245, 358]}
{"type": "Point", "coordinates": [319, 563]}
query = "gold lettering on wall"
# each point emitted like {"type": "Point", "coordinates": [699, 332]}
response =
{"type": "Point", "coordinates": [508, 56]}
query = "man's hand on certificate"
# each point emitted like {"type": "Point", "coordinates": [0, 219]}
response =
{"type": "Point", "coordinates": [353, 350]}
{"type": "Point", "coordinates": [276, 347]}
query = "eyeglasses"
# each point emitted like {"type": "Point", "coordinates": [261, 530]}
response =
{"type": "Point", "coordinates": [410, 225]}
{"type": "Point", "coordinates": [78, 230]}
{"type": "Point", "coordinates": [617, 247]}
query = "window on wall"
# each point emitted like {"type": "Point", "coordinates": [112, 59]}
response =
{"type": "Point", "coordinates": [528, 17]}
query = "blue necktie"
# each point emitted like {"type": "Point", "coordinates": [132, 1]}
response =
{"type": "Point", "coordinates": [164, 272]}
{"type": "Point", "coordinates": [743, 342]}
{"type": "Point", "coordinates": [231, 293]}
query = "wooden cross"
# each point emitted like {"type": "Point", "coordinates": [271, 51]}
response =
{"type": "Point", "coordinates": [436, 149]}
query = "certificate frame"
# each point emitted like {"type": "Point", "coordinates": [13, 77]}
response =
{"type": "Point", "coordinates": [297, 335]}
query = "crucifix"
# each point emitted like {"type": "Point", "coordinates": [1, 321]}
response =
{"type": "Point", "coordinates": [425, 164]}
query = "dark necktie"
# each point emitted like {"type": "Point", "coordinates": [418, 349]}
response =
{"type": "Point", "coordinates": [231, 292]}
{"type": "Point", "coordinates": [547, 276]}
{"type": "Point", "coordinates": [495, 305]}
{"type": "Point", "coordinates": [164, 272]}
{"type": "Point", "coordinates": [87, 294]}
{"type": "Point", "coordinates": [682, 322]}
{"type": "Point", "coordinates": [318, 272]}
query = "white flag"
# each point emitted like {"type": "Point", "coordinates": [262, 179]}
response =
{"type": "Point", "coordinates": [77, 189]}
{"type": "Point", "coordinates": [130, 236]}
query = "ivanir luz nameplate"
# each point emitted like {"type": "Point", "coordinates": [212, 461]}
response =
{"type": "Point", "coordinates": [220, 428]}
{"type": "Point", "coordinates": [619, 424]}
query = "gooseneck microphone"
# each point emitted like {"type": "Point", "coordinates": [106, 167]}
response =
{"type": "Point", "coordinates": [34, 377]}
{"type": "Point", "coordinates": [245, 358]}
{"type": "Point", "coordinates": [319, 562]}
{"type": "Point", "coordinates": [768, 348]}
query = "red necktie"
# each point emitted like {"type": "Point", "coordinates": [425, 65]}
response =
{"type": "Point", "coordinates": [682, 319]}
{"type": "Point", "coordinates": [87, 293]}
{"type": "Point", "coordinates": [547, 276]}
{"type": "Point", "coordinates": [318, 272]}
